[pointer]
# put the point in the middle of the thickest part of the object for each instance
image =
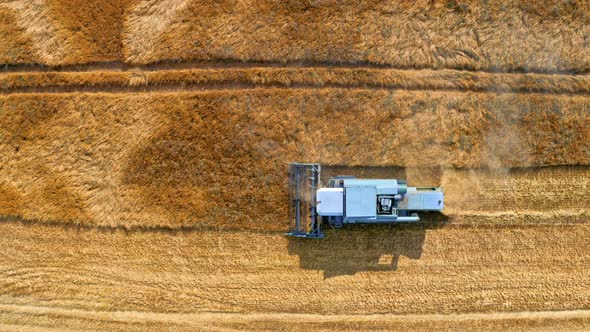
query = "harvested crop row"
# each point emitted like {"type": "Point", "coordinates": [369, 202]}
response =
{"type": "Point", "coordinates": [492, 35]}
{"type": "Point", "coordinates": [33, 317]}
{"type": "Point", "coordinates": [360, 270]}
{"type": "Point", "coordinates": [218, 158]}
{"type": "Point", "coordinates": [313, 77]}
{"type": "Point", "coordinates": [546, 190]}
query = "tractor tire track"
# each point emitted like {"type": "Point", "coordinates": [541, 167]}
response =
{"type": "Point", "coordinates": [285, 321]}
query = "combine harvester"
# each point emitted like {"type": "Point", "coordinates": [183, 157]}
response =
{"type": "Point", "coordinates": [348, 200]}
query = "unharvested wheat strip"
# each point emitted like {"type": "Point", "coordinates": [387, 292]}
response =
{"type": "Point", "coordinates": [313, 77]}
{"type": "Point", "coordinates": [493, 35]}
{"type": "Point", "coordinates": [160, 159]}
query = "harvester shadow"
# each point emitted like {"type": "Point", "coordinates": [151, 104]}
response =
{"type": "Point", "coordinates": [360, 248]}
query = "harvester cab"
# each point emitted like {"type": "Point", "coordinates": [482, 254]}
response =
{"type": "Point", "coordinates": [348, 200]}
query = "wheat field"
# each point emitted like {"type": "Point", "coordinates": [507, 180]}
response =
{"type": "Point", "coordinates": [144, 150]}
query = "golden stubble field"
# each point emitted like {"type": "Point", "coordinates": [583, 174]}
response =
{"type": "Point", "coordinates": [144, 149]}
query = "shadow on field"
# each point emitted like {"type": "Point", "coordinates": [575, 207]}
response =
{"type": "Point", "coordinates": [358, 248]}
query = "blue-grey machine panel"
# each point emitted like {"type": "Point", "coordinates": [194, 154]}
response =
{"type": "Point", "coordinates": [361, 202]}
{"type": "Point", "coordinates": [362, 197]}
